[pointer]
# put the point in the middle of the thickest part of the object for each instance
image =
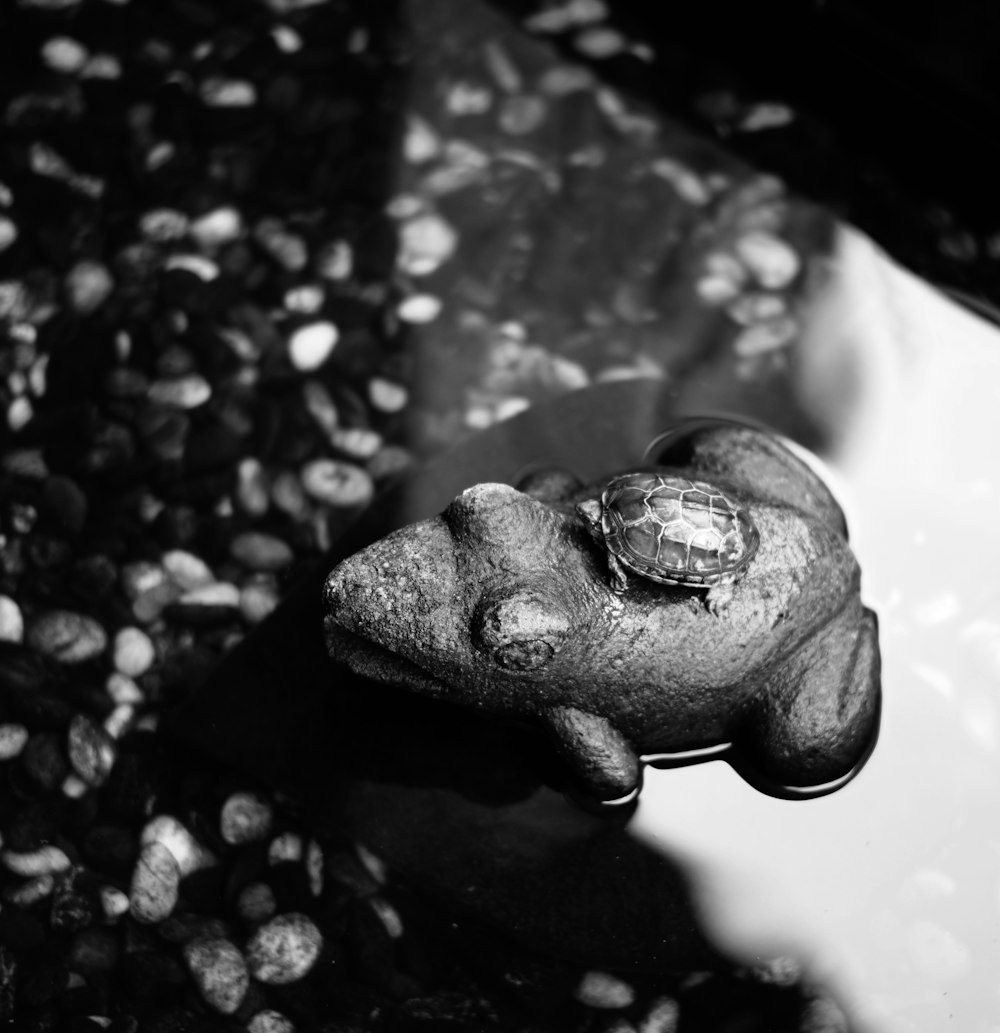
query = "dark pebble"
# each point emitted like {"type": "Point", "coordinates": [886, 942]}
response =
{"type": "Point", "coordinates": [111, 849]}
{"type": "Point", "coordinates": [369, 945]}
{"type": "Point", "coordinates": [21, 931]}
{"type": "Point", "coordinates": [45, 761]}
{"type": "Point", "coordinates": [154, 978]}
{"type": "Point", "coordinates": [449, 1012]}
{"type": "Point", "coordinates": [22, 671]}
{"type": "Point", "coordinates": [93, 951]}
{"type": "Point", "coordinates": [91, 750]}
{"type": "Point", "coordinates": [65, 504]}
{"type": "Point", "coordinates": [72, 910]}
{"type": "Point", "coordinates": [43, 982]}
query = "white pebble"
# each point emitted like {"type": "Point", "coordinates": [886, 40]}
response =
{"type": "Point", "coordinates": [386, 395]}
{"type": "Point", "coordinates": [20, 413]}
{"type": "Point", "coordinates": [217, 92]}
{"type": "Point", "coordinates": [220, 972]}
{"type": "Point", "coordinates": [522, 114]}
{"type": "Point", "coordinates": [13, 738]}
{"type": "Point", "coordinates": [186, 570]}
{"type": "Point", "coordinates": [185, 392]}
{"type": "Point", "coordinates": [11, 620]}
{"type": "Point", "coordinates": [766, 116]}
{"type": "Point", "coordinates": [336, 483]}
{"type": "Point", "coordinates": [270, 1021]}
{"type": "Point", "coordinates": [359, 443]}
{"type": "Point", "coordinates": [599, 42]}
{"type": "Point", "coordinates": [245, 818]}
{"type": "Point", "coordinates": [67, 636]}
{"type": "Point", "coordinates": [420, 308]}
{"type": "Point", "coordinates": [198, 265]}
{"type": "Point", "coordinates": [284, 950]}
{"type": "Point", "coordinates": [114, 902]}
{"type": "Point", "coordinates": [335, 261]}
{"type": "Point", "coordinates": [74, 787]}
{"type": "Point", "coordinates": [252, 492]}
{"type": "Point", "coordinates": [88, 285]}
{"type": "Point", "coordinates": [90, 749]}
{"type": "Point", "coordinates": [8, 232]}
{"type": "Point", "coordinates": [689, 186]}
{"type": "Point", "coordinates": [221, 593]}
{"type": "Point", "coordinates": [217, 227]}
{"type": "Point", "coordinates": [46, 860]}
{"type": "Point", "coordinates": [388, 916]}
{"type": "Point", "coordinates": [102, 66]}
{"type": "Point", "coordinates": [30, 892]}
{"type": "Point", "coordinates": [562, 80]}
{"type": "Point", "coordinates": [716, 290]}
{"type": "Point", "coordinates": [258, 600]}
{"type": "Point", "coordinates": [310, 346]}
{"type": "Point", "coordinates": [118, 721]}
{"type": "Point", "coordinates": [289, 846]}
{"type": "Point", "coordinates": [305, 299]}
{"type": "Point", "coordinates": [320, 405]}
{"type": "Point", "coordinates": [188, 854]}
{"type": "Point", "coordinates": [133, 652]}
{"type": "Point", "coordinates": [662, 1017]}
{"type": "Point", "coordinates": [287, 40]}
{"type": "Point", "coordinates": [765, 337]}
{"type": "Point", "coordinates": [123, 690]}
{"type": "Point", "coordinates": [420, 143]}
{"type": "Point", "coordinates": [602, 990]}
{"type": "Point", "coordinates": [425, 243]}
{"type": "Point", "coordinates": [314, 867]}
{"type": "Point", "coordinates": [287, 249]}
{"type": "Point", "coordinates": [373, 864]}
{"type": "Point", "coordinates": [466, 98]}
{"type": "Point", "coordinates": [757, 307]}
{"type": "Point", "coordinates": [770, 260]}
{"type": "Point", "coordinates": [163, 225]}
{"type": "Point", "coordinates": [65, 55]}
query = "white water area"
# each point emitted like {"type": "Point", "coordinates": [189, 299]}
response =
{"type": "Point", "coordinates": [889, 889]}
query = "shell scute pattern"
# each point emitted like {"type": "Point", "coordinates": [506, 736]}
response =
{"type": "Point", "coordinates": [676, 531]}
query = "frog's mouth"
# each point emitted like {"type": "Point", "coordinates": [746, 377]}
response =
{"type": "Point", "coordinates": [377, 663]}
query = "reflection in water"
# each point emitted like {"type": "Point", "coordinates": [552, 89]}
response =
{"type": "Point", "coordinates": [892, 885]}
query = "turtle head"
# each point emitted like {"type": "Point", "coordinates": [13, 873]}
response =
{"type": "Point", "coordinates": [590, 511]}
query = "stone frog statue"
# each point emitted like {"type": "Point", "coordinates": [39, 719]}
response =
{"type": "Point", "coordinates": [705, 606]}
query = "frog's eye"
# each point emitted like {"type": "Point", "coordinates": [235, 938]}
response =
{"type": "Point", "coordinates": [520, 632]}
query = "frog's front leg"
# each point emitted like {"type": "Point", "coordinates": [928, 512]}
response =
{"type": "Point", "coordinates": [603, 760]}
{"type": "Point", "coordinates": [817, 716]}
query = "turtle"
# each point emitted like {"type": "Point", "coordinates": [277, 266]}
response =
{"type": "Point", "coordinates": [672, 530]}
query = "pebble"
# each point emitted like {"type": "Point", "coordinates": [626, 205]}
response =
{"type": "Point", "coordinates": [270, 1021]}
{"type": "Point", "coordinates": [600, 41]}
{"type": "Point", "coordinates": [256, 903]}
{"type": "Point", "coordinates": [64, 54]}
{"type": "Point", "coordinates": [426, 242]}
{"type": "Point", "coordinates": [252, 493]}
{"type": "Point", "coordinates": [359, 443]}
{"type": "Point", "coordinates": [123, 690]}
{"type": "Point", "coordinates": [245, 818]}
{"type": "Point", "coordinates": [689, 185]}
{"type": "Point", "coordinates": [30, 892]}
{"type": "Point", "coordinates": [8, 232]}
{"type": "Point", "coordinates": [420, 308]}
{"type": "Point", "coordinates": [132, 652]}
{"type": "Point", "coordinates": [11, 620]}
{"type": "Point", "coordinates": [119, 720]}
{"type": "Point", "coordinates": [663, 1016]}
{"type": "Point", "coordinates": [391, 460]}
{"type": "Point", "coordinates": [13, 738]}
{"type": "Point", "coordinates": [306, 299]}
{"type": "Point", "coordinates": [218, 92]}
{"type": "Point", "coordinates": [163, 225]}
{"type": "Point", "coordinates": [755, 307]}
{"type": "Point", "coordinates": [88, 285]}
{"type": "Point", "coordinates": [320, 405]}
{"type": "Point", "coordinates": [198, 265]}
{"type": "Point", "coordinates": [335, 261]}
{"type": "Point", "coordinates": [315, 865]}
{"type": "Point", "coordinates": [523, 114]}
{"type": "Point", "coordinates": [603, 990]}
{"type": "Point", "coordinates": [20, 413]}
{"type": "Point", "coordinates": [167, 831]}
{"type": "Point", "coordinates": [186, 570]}
{"type": "Point", "coordinates": [91, 750]}
{"type": "Point", "coordinates": [284, 949]}
{"type": "Point", "coordinates": [221, 593]}
{"type": "Point", "coordinates": [185, 392]}
{"type": "Point", "coordinates": [102, 66]}
{"type": "Point", "coordinates": [765, 337]}
{"type": "Point", "coordinates": [220, 972]}
{"type": "Point", "coordinates": [420, 143]}
{"type": "Point", "coordinates": [289, 846]}
{"type": "Point", "coordinates": [311, 345]}
{"type": "Point", "coordinates": [155, 884]}
{"type": "Point", "coordinates": [289, 496]}
{"type": "Point", "coordinates": [338, 484]}
{"type": "Point", "coordinates": [216, 228]}
{"type": "Point", "coordinates": [46, 860]}
{"type": "Point", "coordinates": [386, 395]}
{"type": "Point", "coordinates": [261, 552]}
{"type": "Point", "coordinates": [388, 916]}
{"type": "Point", "coordinates": [258, 600]}
{"type": "Point", "coordinates": [287, 249]}
{"type": "Point", "coordinates": [67, 636]}
{"type": "Point", "coordinates": [823, 1015]}
{"type": "Point", "coordinates": [772, 262]}
{"type": "Point", "coordinates": [114, 902]}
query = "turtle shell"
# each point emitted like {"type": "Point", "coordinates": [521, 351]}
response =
{"type": "Point", "coordinates": [676, 531]}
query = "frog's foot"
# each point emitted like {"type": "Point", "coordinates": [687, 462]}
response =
{"type": "Point", "coordinates": [718, 599]}
{"type": "Point", "coordinates": [600, 756]}
{"type": "Point", "coordinates": [818, 717]}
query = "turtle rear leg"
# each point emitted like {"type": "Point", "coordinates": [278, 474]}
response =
{"type": "Point", "coordinates": [619, 578]}
{"type": "Point", "coordinates": [718, 599]}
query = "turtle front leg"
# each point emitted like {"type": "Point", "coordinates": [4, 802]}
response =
{"type": "Point", "coordinates": [718, 599]}
{"type": "Point", "coordinates": [619, 579]}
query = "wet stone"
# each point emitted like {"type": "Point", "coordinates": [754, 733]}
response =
{"type": "Point", "coordinates": [184, 392]}
{"type": "Point", "coordinates": [336, 483]}
{"type": "Point", "coordinates": [252, 487]}
{"type": "Point", "coordinates": [133, 654]}
{"type": "Point", "coordinates": [258, 599]}
{"type": "Point", "coordinates": [88, 285]}
{"type": "Point", "coordinates": [188, 853]}
{"type": "Point", "coordinates": [284, 949]}
{"type": "Point", "coordinates": [44, 760]}
{"type": "Point", "coordinates": [772, 262]}
{"type": "Point", "coordinates": [67, 636]}
{"type": "Point", "coordinates": [220, 972]}
{"type": "Point", "coordinates": [311, 345]}
{"type": "Point", "coordinates": [603, 990]}
{"type": "Point", "coordinates": [13, 738]}
{"type": "Point", "coordinates": [270, 1021]}
{"type": "Point", "coordinates": [256, 903]}
{"type": "Point", "coordinates": [91, 750]}
{"type": "Point", "coordinates": [94, 951]}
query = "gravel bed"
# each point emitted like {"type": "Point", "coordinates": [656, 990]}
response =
{"type": "Point", "coordinates": [256, 259]}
